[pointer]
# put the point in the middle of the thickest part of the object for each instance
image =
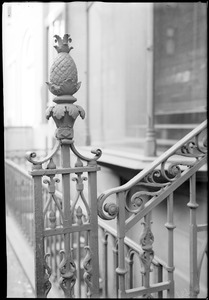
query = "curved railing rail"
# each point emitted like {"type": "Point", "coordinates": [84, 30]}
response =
{"type": "Point", "coordinates": [193, 145]}
{"type": "Point", "coordinates": [135, 200]}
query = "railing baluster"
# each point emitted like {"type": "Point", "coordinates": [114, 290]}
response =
{"type": "Point", "coordinates": [121, 271]}
{"type": "Point", "coordinates": [130, 261]}
{"type": "Point", "coordinates": [78, 258]}
{"type": "Point", "coordinates": [194, 280]}
{"type": "Point", "coordinates": [170, 226]}
{"type": "Point", "coordinates": [55, 257]}
{"type": "Point", "coordinates": [146, 241]}
{"type": "Point", "coordinates": [79, 215]}
{"type": "Point", "coordinates": [93, 271]}
{"type": "Point", "coordinates": [115, 265]}
{"type": "Point", "coordinates": [39, 238]}
{"type": "Point", "coordinates": [104, 265]}
{"type": "Point", "coordinates": [67, 265]}
{"type": "Point", "coordinates": [160, 279]}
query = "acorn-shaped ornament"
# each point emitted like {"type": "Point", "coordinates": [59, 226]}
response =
{"type": "Point", "coordinates": [63, 72]}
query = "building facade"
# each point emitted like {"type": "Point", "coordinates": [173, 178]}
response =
{"type": "Point", "coordinates": [143, 73]}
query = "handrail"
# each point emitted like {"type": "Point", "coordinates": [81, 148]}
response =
{"type": "Point", "coordinates": [154, 184]}
{"type": "Point", "coordinates": [24, 173]}
{"type": "Point", "coordinates": [186, 147]}
{"type": "Point", "coordinates": [17, 167]}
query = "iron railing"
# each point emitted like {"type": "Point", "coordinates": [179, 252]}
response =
{"type": "Point", "coordinates": [20, 203]}
{"type": "Point", "coordinates": [19, 197]}
{"type": "Point", "coordinates": [119, 255]}
{"type": "Point", "coordinates": [155, 184]}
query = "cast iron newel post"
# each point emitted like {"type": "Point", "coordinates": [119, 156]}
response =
{"type": "Point", "coordinates": [63, 84]}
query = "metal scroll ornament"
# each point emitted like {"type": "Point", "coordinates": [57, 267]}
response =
{"type": "Point", "coordinates": [48, 272]}
{"type": "Point", "coordinates": [87, 270]}
{"type": "Point", "coordinates": [68, 275]}
{"type": "Point", "coordinates": [147, 255]}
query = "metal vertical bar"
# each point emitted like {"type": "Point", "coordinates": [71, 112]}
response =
{"type": "Point", "coordinates": [79, 266]}
{"type": "Point", "coordinates": [93, 234]}
{"type": "Point", "coordinates": [67, 264]}
{"type": "Point", "coordinates": [39, 238]}
{"type": "Point", "coordinates": [26, 193]}
{"type": "Point", "coordinates": [30, 210]}
{"type": "Point", "coordinates": [146, 273]}
{"type": "Point", "coordinates": [121, 271]}
{"type": "Point", "coordinates": [65, 155]}
{"type": "Point", "coordinates": [194, 280]}
{"type": "Point", "coordinates": [105, 264]}
{"type": "Point", "coordinates": [160, 279]}
{"type": "Point", "coordinates": [170, 226]}
{"type": "Point", "coordinates": [115, 265]}
{"type": "Point", "coordinates": [130, 269]}
{"type": "Point", "coordinates": [86, 242]}
{"type": "Point", "coordinates": [55, 257]}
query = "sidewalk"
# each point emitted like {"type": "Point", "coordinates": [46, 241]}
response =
{"type": "Point", "coordinates": [20, 264]}
{"type": "Point", "coordinates": [18, 285]}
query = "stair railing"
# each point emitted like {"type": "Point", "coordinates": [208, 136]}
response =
{"type": "Point", "coordinates": [156, 183]}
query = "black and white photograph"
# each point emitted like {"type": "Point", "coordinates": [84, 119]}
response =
{"type": "Point", "coordinates": [105, 149]}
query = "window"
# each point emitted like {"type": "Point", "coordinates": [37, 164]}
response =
{"type": "Point", "coordinates": [118, 41]}
{"type": "Point", "coordinates": [179, 68]}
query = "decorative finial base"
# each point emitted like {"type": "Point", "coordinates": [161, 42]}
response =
{"type": "Point", "coordinates": [64, 99]}
{"type": "Point", "coordinates": [64, 114]}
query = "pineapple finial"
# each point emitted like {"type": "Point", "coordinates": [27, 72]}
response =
{"type": "Point", "coordinates": [63, 43]}
{"type": "Point", "coordinates": [63, 72]}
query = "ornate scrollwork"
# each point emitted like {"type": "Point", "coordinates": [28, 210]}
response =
{"type": "Point", "coordinates": [87, 270]}
{"type": "Point", "coordinates": [111, 209]}
{"type": "Point", "coordinates": [195, 147]}
{"type": "Point", "coordinates": [152, 176]}
{"type": "Point", "coordinates": [147, 255]}
{"type": "Point", "coordinates": [97, 153]}
{"type": "Point", "coordinates": [202, 141]}
{"type": "Point", "coordinates": [51, 188]}
{"type": "Point", "coordinates": [67, 269]}
{"type": "Point", "coordinates": [161, 174]}
{"type": "Point", "coordinates": [173, 170]}
{"type": "Point", "coordinates": [138, 200]}
{"type": "Point", "coordinates": [80, 187]}
{"type": "Point", "coordinates": [48, 272]}
{"type": "Point", "coordinates": [106, 211]}
{"type": "Point", "coordinates": [146, 238]}
{"type": "Point", "coordinates": [31, 155]}
{"type": "Point", "coordinates": [141, 193]}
